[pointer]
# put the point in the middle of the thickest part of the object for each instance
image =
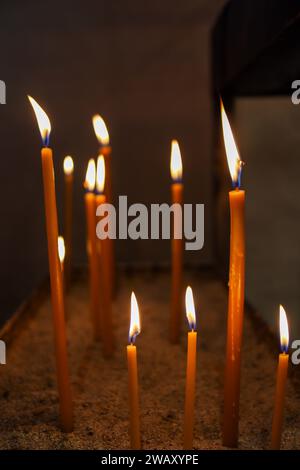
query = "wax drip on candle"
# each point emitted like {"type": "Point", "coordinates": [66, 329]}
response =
{"type": "Point", "coordinates": [284, 330]}
{"type": "Point", "coordinates": [42, 120]}
{"type": "Point", "coordinates": [176, 162]}
{"type": "Point", "coordinates": [190, 308]}
{"type": "Point", "coordinates": [135, 325]}
{"type": "Point", "coordinates": [235, 164]}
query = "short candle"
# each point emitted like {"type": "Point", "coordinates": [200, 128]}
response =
{"type": "Point", "coordinates": [190, 384]}
{"type": "Point", "coordinates": [282, 370]}
{"type": "Point", "coordinates": [134, 330]}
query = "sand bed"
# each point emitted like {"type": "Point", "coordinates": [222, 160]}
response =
{"type": "Point", "coordinates": [28, 397]}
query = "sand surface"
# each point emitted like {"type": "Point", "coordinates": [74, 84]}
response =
{"type": "Point", "coordinates": [28, 397]}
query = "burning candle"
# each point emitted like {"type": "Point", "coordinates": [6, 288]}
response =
{"type": "Point", "coordinates": [282, 371]}
{"type": "Point", "coordinates": [236, 290]}
{"type": "Point", "coordinates": [103, 260]}
{"type": "Point", "coordinates": [105, 150]}
{"type": "Point", "coordinates": [68, 216]}
{"type": "Point", "coordinates": [134, 330]}
{"type": "Point", "coordinates": [176, 246]}
{"type": "Point", "coordinates": [90, 207]}
{"type": "Point", "coordinates": [61, 255]}
{"type": "Point", "coordinates": [61, 252]}
{"type": "Point", "coordinates": [64, 388]}
{"type": "Point", "coordinates": [190, 384]}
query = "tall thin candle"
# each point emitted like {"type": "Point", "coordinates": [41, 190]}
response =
{"type": "Point", "coordinates": [90, 207]}
{"type": "Point", "coordinates": [106, 151]}
{"type": "Point", "coordinates": [68, 216]}
{"type": "Point", "coordinates": [236, 291]}
{"type": "Point", "coordinates": [58, 308]}
{"type": "Point", "coordinates": [176, 243]}
{"type": "Point", "coordinates": [103, 260]}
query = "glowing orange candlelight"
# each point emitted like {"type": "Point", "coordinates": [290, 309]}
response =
{"type": "Point", "coordinates": [90, 176]}
{"type": "Point", "coordinates": [58, 309]}
{"type": "Point", "coordinates": [190, 308]}
{"type": "Point", "coordinates": [190, 384]}
{"type": "Point", "coordinates": [282, 372]}
{"type": "Point", "coordinates": [68, 165]}
{"type": "Point", "coordinates": [42, 120]}
{"type": "Point", "coordinates": [61, 250]}
{"type": "Point", "coordinates": [175, 162]}
{"type": "Point", "coordinates": [100, 130]}
{"type": "Point", "coordinates": [100, 177]}
{"type": "Point", "coordinates": [134, 330]}
{"type": "Point", "coordinates": [233, 158]}
{"type": "Point", "coordinates": [176, 243]}
{"type": "Point", "coordinates": [61, 255]}
{"type": "Point", "coordinates": [284, 330]}
{"type": "Point", "coordinates": [236, 290]}
{"type": "Point", "coordinates": [135, 322]}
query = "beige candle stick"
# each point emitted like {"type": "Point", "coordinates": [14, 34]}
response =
{"type": "Point", "coordinates": [57, 296]}
{"type": "Point", "coordinates": [176, 244]}
{"type": "Point", "coordinates": [68, 217]}
{"type": "Point", "coordinates": [282, 371]}
{"type": "Point", "coordinates": [104, 262]}
{"type": "Point", "coordinates": [190, 384]}
{"type": "Point", "coordinates": [236, 291]}
{"type": "Point", "coordinates": [106, 151]}
{"type": "Point", "coordinates": [134, 409]}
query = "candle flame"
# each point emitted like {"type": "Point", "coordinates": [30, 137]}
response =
{"type": "Point", "coordinates": [90, 177]}
{"type": "Point", "coordinates": [176, 161]}
{"type": "Point", "coordinates": [135, 326]}
{"type": "Point", "coordinates": [68, 165]}
{"type": "Point", "coordinates": [190, 308]}
{"type": "Point", "coordinates": [42, 120]}
{"type": "Point", "coordinates": [284, 330]}
{"type": "Point", "coordinates": [61, 249]}
{"type": "Point", "coordinates": [100, 130]}
{"type": "Point", "coordinates": [233, 158]}
{"type": "Point", "coordinates": [100, 178]}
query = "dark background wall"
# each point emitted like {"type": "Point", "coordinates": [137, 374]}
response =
{"type": "Point", "coordinates": [144, 66]}
{"type": "Point", "coordinates": [268, 134]}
